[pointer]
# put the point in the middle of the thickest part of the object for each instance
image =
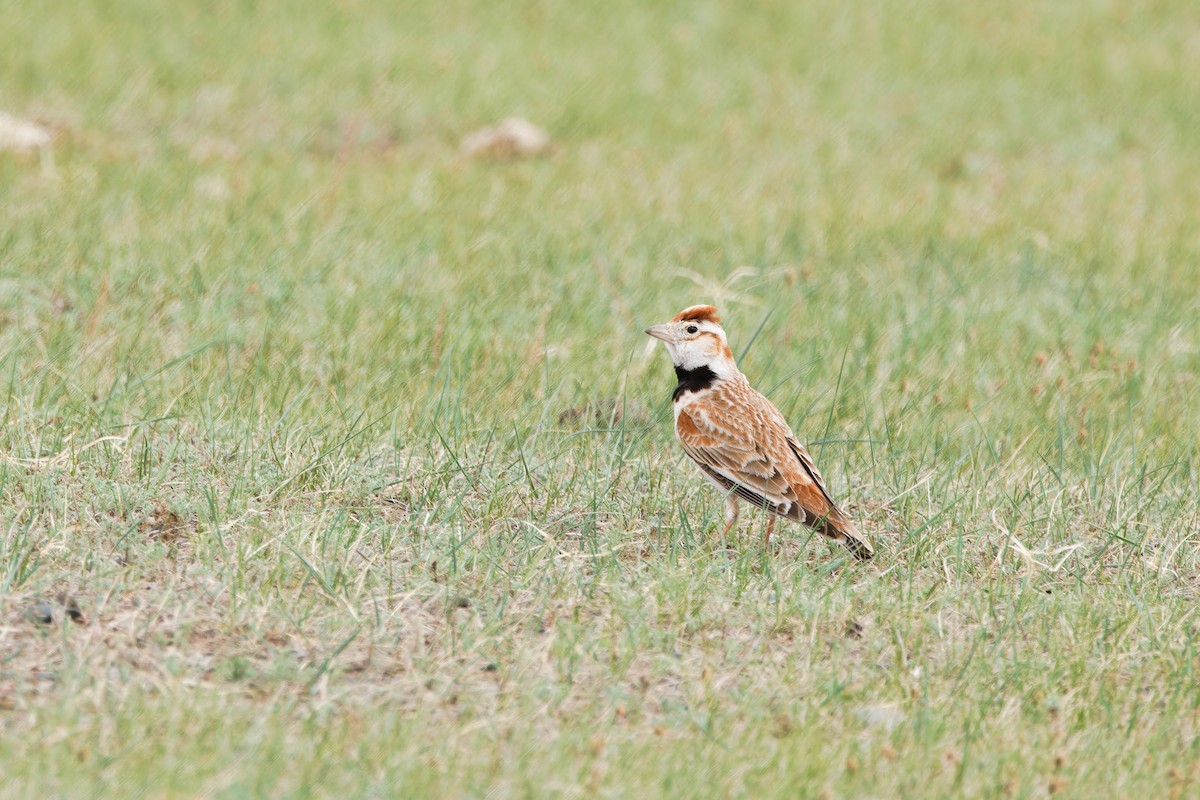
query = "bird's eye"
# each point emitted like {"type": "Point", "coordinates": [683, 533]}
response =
{"type": "Point", "coordinates": [692, 329]}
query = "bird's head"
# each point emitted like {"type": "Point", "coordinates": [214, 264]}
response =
{"type": "Point", "coordinates": [696, 339]}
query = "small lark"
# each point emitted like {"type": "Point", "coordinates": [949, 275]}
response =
{"type": "Point", "coordinates": [739, 439]}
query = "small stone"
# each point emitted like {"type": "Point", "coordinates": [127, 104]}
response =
{"type": "Point", "coordinates": [885, 717]}
{"type": "Point", "coordinates": [71, 607]}
{"type": "Point", "coordinates": [513, 138]}
{"type": "Point", "coordinates": [40, 613]}
{"type": "Point", "coordinates": [605, 413]}
{"type": "Point", "coordinates": [19, 134]}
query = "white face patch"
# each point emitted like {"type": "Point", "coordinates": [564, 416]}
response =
{"type": "Point", "coordinates": [695, 344]}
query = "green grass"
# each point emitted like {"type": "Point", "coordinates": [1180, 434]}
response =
{"type": "Point", "coordinates": [355, 459]}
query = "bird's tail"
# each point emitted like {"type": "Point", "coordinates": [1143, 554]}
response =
{"type": "Point", "coordinates": [837, 526]}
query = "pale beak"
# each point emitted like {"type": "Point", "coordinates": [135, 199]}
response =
{"type": "Point", "coordinates": [660, 332]}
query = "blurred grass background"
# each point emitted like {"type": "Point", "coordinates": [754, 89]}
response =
{"type": "Point", "coordinates": [351, 450]}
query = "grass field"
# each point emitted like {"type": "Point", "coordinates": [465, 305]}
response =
{"type": "Point", "coordinates": [355, 460]}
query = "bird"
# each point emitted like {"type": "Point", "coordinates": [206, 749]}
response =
{"type": "Point", "coordinates": [740, 440]}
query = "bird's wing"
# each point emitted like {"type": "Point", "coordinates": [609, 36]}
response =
{"type": "Point", "coordinates": [744, 443]}
{"type": "Point", "coordinates": [743, 454]}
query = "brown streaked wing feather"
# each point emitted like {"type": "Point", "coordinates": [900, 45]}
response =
{"type": "Point", "coordinates": [742, 441]}
{"type": "Point", "coordinates": [807, 463]}
{"type": "Point", "coordinates": [746, 493]}
{"type": "Point", "coordinates": [794, 452]}
{"type": "Point", "coordinates": [727, 432]}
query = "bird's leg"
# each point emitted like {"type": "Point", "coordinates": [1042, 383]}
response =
{"type": "Point", "coordinates": [770, 527]}
{"type": "Point", "coordinates": [731, 515]}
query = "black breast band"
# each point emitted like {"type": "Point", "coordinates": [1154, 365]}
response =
{"type": "Point", "coordinates": [693, 380]}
